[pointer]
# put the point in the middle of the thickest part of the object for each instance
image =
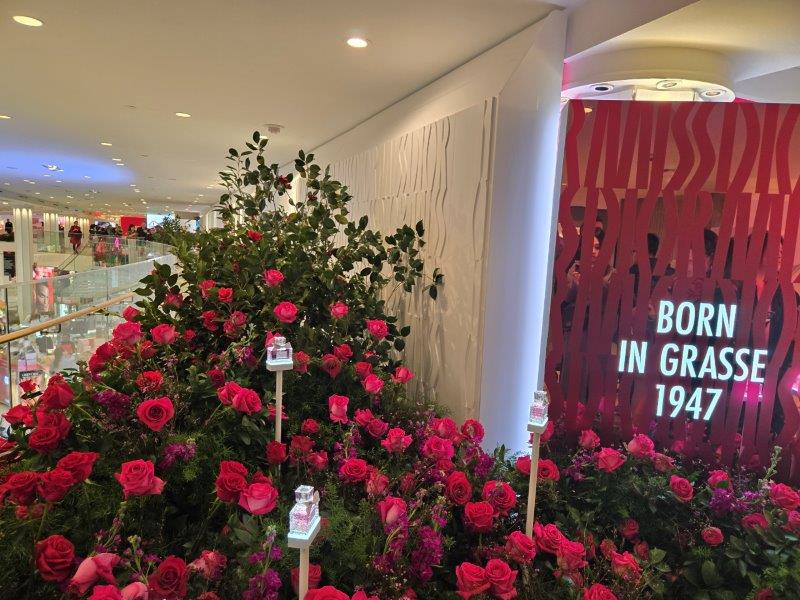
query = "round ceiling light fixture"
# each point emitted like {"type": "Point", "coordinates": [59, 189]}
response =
{"type": "Point", "coordinates": [182, 115]}
{"type": "Point", "coordinates": [4, 117]}
{"type": "Point", "coordinates": [27, 21]}
{"type": "Point", "coordinates": [357, 42]}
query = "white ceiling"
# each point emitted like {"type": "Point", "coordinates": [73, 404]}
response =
{"type": "Point", "coordinates": [118, 71]}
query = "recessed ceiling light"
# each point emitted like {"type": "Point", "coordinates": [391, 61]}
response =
{"type": "Point", "coordinates": [105, 143]}
{"type": "Point", "coordinates": [70, 196]}
{"type": "Point", "coordinates": [120, 164]}
{"type": "Point", "coordinates": [116, 159]}
{"type": "Point", "coordinates": [169, 197]}
{"type": "Point", "coordinates": [86, 177]}
{"type": "Point", "coordinates": [51, 197]}
{"type": "Point", "coordinates": [4, 117]}
{"type": "Point", "coordinates": [132, 185]}
{"type": "Point", "coordinates": [357, 42]}
{"type": "Point", "coordinates": [199, 195]}
{"type": "Point", "coordinates": [36, 193]}
{"type": "Point", "coordinates": [47, 175]}
{"type": "Point", "coordinates": [182, 115]}
{"type": "Point", "coordinates": [5, 203]}
{"type": "Point", "coordinates": [58, 181]}
{"type": "Point", "coordinates": [27, 21]}
{"type": "Point", "coordinates": [6, 183]}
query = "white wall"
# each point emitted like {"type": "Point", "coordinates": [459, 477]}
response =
{"type": "Point", "coordinates": [440, 155]}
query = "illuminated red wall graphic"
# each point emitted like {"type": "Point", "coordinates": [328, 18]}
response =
{"type": "Point", "coordinates": [675, 170]}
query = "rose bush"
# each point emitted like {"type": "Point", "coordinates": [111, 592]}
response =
{"type": "Point", "coordinates": [152, 471]}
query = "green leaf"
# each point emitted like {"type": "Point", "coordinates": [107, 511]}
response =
{"type": "Point", "coordinates": [420, 229]}
{"type": "Point", "coordinates": [433, 292]}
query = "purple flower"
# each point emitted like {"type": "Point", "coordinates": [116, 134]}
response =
{"type": "Point", "coordinates": [722, 501]}
{"type": "Point", "coordinates": [115, 403]}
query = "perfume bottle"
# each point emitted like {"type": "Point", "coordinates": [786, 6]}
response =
{"type": "Point", "coordinates": [538, 416]}
{"type": "Point", "coordinates": [279, 354]}
{"type": "Point", "coordinates": [305, 512]}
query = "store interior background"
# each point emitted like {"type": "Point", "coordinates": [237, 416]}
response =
{"type": "Point", "coordinates": [451, 114]}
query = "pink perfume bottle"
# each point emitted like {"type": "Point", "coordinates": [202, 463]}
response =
{"type": "Point", "coordinates": [538, 415]}
{"type": "Point", "coordinates": [305, 512]}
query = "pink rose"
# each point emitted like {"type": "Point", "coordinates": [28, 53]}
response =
{"type": "Point", "coordinates": [205, 287]}
{"type": "Point", "coordinates": [754, 520]}
{"type": "Point", "coordinates": [402, 375]}
{"type": "Point", "coordinates": [471, 580]}
{"type": "Point", "coordinates": [588, 439]}
{"type": "Point", "coordinates": [343, 352]}
{"type": "Point", "coordinates": [445, 428]}
{"type": "Point", "coordinates": [339, 310]}
{"type": "Point", "coordinates": [128, 334]}
{"type": "Point", "coordinates": [317, 461]}
{"type": "Point", "coordinates": [99, 566]}
{"type": "Point", "coordinates": [438, 448]}
{"type": "Point", "coordinates": [391, 509]}
{"type": "Point", "coordinates": [259, 498]}
{"type": "Point", "coordinates": [106, 592]}
{"type": "Point", "coordinates": [377, 482]}
{"type": "Point", "coordinates": [629, 528]}
{"type": "Point", "coordinates": [331, 365]}
{"type": "Point", "coordinates": [285, 312]}
{"type": "Point", "coordinates": [609, 460]}
{"type": "Point", "coordinates": [377, 328]}
{"type": "Point", "coordinates": [273, 277]}
{"type": "Point", "coordinates": [598, 591]}
{"type": "Point", "coordinates": [137, 478]}
{"type": "Point", "coordinates": [363, 369]}
{"type": "Point", "coordinates": [130, 313]}
{"type": "Point", "coordinates": [712, 536]}
{"type": "Point", "coordinates": [641, 446]}
{"type": "Point", "coordinates": [354, 470]}
{"type": "Point", "coordinates": [372, 384]}
{"type": "Point", "coordinates": [571, 556]}
{"type": "Point", "coordinates": [301, 362]}
{"type": "Point", "coordinates": [396, 440]}
{"type": "Point", "coordinates": [783, 496]}
{"type": "Point", "coordinates": [682, 488]}
{"type": "Point", "coordinates": [163, 334]}
{"type": "Point", "coordinates": [793, 521]}
{"type": "Point", "coordinates": [473, 431]}
{"type": "Point", "coordinates": [134, 591]}
{"type": "Point", "coordinates": [309, 427]}
{"type": "Point", "coordinates": [663, 463]}
{"type": "Point", "coordinates": [377, 428]}
{"type": "Point", "coordinates": [625, 566]}
{"type": "Point", "coordinates": [719, 478]}
{"type": "Point", "coordinates": [363, 416]}
{"type": "Point", "coordinates": [337, 405]}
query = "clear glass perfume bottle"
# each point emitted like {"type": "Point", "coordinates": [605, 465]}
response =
{"type": "Point", "coordinates": [538, 414]}
{"type": "Point", "coordinates": [305, 512]}
{"type": "Point", "coordinates": [279, 354]}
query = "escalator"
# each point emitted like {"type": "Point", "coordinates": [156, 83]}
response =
{"type": "Point", "coordinates": [64, 267]}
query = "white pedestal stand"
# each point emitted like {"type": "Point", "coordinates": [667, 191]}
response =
{"type": "Point", "coordinates": [536, 425]}
{"type": "Point", "coordinates": [303, 543]}
{"type": "Point", "coordinates": [278, 367]}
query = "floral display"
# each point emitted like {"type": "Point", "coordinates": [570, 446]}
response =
{"type": "Point", "coordinates": [152, 471]}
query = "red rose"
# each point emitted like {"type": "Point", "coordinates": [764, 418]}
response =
{"type": "Point", "coordinates": [331, 365]}
{"type": "Point", "coordinates": [629, 529]}
{"type": "Point", "coordinates": [317, 461]}
{"type": "Point", "coordinates": [548, 537]}
{"type": "Point", "coordinates": [754, 520]}
{"type": "Point", "coordinates": [225, 295]}
{"type": "Point", "coordinates": [309, 427]}
{"type": "Point", "coordinates": [712, 536]}
{"type": "Point", "coordinates": [642, 550]}
{"type": "Point", "coordinates": [372, 384]}
{"type": "Point", "coordinates": [217, 377]}
{"type": "Point", "coordinates": [377, 482]}
{"type": "Point", "coordinates": [402, 375]}
{"type": "Point", "coordinates": [625, 566]}
{"type": "Point", "coordinates": [343, 352]}
{"type": "Point", "coordinates": [130, 313]}
{"type": "Point", "coordinates": [209, 564]}
{"type": "Point", "coordinates": [301, 362]}
{"type": "Point", "coordinates": [28, 385]}
{"type": "Point", "coordinates": [276, 452]}
{"type": "Point", "coordinates": [396, 440]}
{"type": "Point", "coordinates": [106, 592]}
{"type": "Point", "coordinates": [272, 277]}
{"type": "Point", "coordinates": [607, 547]}
{"type": "Point", "coordinates": [205, 287]}
{"type": "Point", "coordinates": [339, 310]}
{"type": "Point", "coordinates": [363, 369]}
{"type": "Point", "coordinates": [548, 471]}
{"type": "Point", "coordinates": [391, 510]}
{"type": "Point", "coordinates": [99, 566]}
{"type": "Point", "coordinates": [353, 470]}
{"type": "Point", "coordinates": [227, 392]}
{"type": "Point", "coordinates": [520, 547]}
{"type": "Point", "coordinates": [377, 328]}
{"type": "Point", "coordinates": [609, 460]}
{"type": "Point", "coordinates": [793, 521]}
{"type": "Point", "coordinates": [663, 463]}
{"type": "Point", "coordinates": [458, 488]}
{"type": "Point", "coordinates": [247, 401]}
{"type": "Point", "coordinates": [598, 592]}
{"type": "Point", "coordinates": [19, 414]}
{"type": "Point", "coordinates": [327, 592]}
{"type": "Point", "coordinates": [641, 446]}
{"type": "Point", "coordinates": [682, 488]}
{"type": "Point", "coordinates": [500, 495]}
{"type": "Point", "coordinates": [79, 464]}
{"type": "Point", "coordinates": [174, 300]}
{"type": "Point", "coordinates": [363, 416]}
{"type": "Point", "coordinates": [259, 498]}
{"type": "Point", "coordinates": [45, 439]}
{"type": "Point", "coordinates": [135, 591]}
{"type": "Point", "coordinates": [209, 320]}
{"type": "Point", "coordinates": [254, 235]}
{"type": "Point", "coordinates": [473, 431]}
{"type": "Point", "coordinates": [137, 478]}
{"type": "Point", "coordinates": [54, 485]}
{"type": "Point", "coordinates": [523, 465]}
{"type": "Point", "coordinates": [149, 381]}
{"type": "Point", "coordinates": [438, 448]}
{"type": "Point", "coordinates": [377, 428]}
{"type": "Point", "coordinates": [154, 414]}
{"type": "Point", "coordinates": [53, 419]}
{"type": "Point", "coordinates": [301, 444]}
{"type": "Point", "coordinates": [163, 334]}
{"type": "Point", "coordinates": [57, 396]}
{"type": "Point", "coordinates": [549, 429]}
{"type": "Point", "coordinates": [784, 496]}
{"type": "Point", "coordinates": [232, 479]}
{"type": "Point", "coordinates": [471, 580]}
{"type": "Point", "coordinates": [21, 486]}
{"type": "Point", "coordinates": [445, 428]}
{"type": "Point", "coordinates": [571, 556]}
{"type": "Point", "coordinates": [285, 312]}
{"type": "Point", "coordinates": [169, 579]}
{"type": "Point", "coordinates": [764, 594]}
{"type": "Point", "coordinates": [54, 558]}
{"type": "Point", "coordinates": [501, 577]}
{"type": "Point", "coordinates": [127, 334]}
{"type": "Point", "coordinates": [337, 406]}
{"type": "Point", "coordinates": [314, 577]}
{"type": "Point", "coordinates": [479, 516]}
{"type": "Point", "coordinates": [719, 479]}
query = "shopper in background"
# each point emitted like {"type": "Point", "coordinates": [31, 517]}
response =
{"type": "Point", "coordinates": [9, 227]}
{"type": "Point", "coordinates": [75, 236]}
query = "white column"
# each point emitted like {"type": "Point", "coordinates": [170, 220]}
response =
{"type": "Point", "coordinates": [23, 259]}
{"type": "Point", "coordinates": [210, 220]}
{"type": "Point", "coordinates": [523, 213]}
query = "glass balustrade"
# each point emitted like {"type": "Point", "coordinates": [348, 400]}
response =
{"type": "Point", "coordinates": [22, 305]}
